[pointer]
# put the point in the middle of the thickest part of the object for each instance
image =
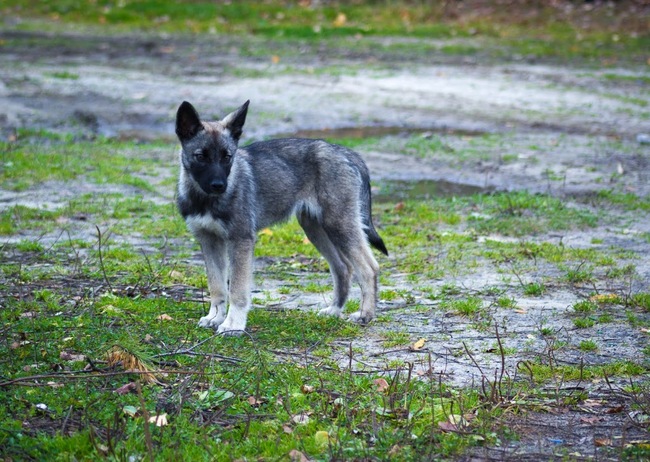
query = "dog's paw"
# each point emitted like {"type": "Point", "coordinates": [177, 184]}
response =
{"type": "Point", "coordinates": [360, 317]}
{"type": "Point", "coordinates": [230, 331]}
{"type": "Point", "coordinates": [211, 322]}
{"type": "Point", "coordinates": [331, 311]}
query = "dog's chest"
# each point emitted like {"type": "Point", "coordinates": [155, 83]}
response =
{"type": "Point", "coordinates": [206, 223]}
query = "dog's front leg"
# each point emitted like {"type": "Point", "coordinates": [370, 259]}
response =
{"type": "Point", "coordinates": [241, 281]}
{"type": "Point", "coordinates": [216, 265]}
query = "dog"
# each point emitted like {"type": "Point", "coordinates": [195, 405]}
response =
{"type": "Point", "coordinates": [226, 194]}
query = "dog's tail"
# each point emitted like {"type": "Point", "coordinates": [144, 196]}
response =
{"type": "Point", "coordinates": [373, 236]}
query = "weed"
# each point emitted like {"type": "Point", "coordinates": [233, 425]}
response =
{"type": "Point", "coordinates": [585, 307]}
{"type": "Point", "coordinates": [534, 289]}
{"type": "Point", "coordinates": [583, 323]}
{"type": "Point", "coordinates": [471, 306]}
{"type": "Point", "coordinates": [641, 300]}
{"type": "Point", "coordinates": [588, 345]}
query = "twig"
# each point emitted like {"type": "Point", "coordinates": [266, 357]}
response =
{"type": "Point", "coordinates": [207, 355]}
{"type": "Point", "coordinates": [145, 414]}
{"type": "Point", "coordinates": [101, 258]}
{"type": "Point", "coordinates": [88, 375]}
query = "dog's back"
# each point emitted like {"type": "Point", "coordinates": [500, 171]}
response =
{"type": "Point", "coordinates": [309, 176]}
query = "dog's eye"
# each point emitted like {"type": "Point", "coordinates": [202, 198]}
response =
{"type": "Point", "coordinates": [200, 156]}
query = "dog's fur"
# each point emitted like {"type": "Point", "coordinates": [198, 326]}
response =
{"type": "Point", "coordinates": [227, 194]}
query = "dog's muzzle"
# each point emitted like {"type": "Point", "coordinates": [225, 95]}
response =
{"type": "Point", "coordinates": [217, 186]}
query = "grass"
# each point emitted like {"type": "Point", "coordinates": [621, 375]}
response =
{"type": "Point", "coordinates": [101, 293]}
{"type": "Point", "coordinates": [528, 31]}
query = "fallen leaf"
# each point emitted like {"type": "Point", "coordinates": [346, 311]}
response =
{"type": "Point", "coordinates": [520, 311]}
{"type": "Point", "coordinates": [340, 20]}
{"type": "Point", "coordinates": [300, 419]}
{"type": "Point", "coordinates": [130, 387]}
{"type": "Point", "coordinates": [307, 389]}
{"type": "Point", "coordinates": [614, 410]}
{"type": "Point", "coordinates": [131, 411]}
{"type": "Point", "coordinates": [602, 441]}
{"type": "Point", "coordinates": [399, 206]}
{"type": "Point", "coordinates": [591, 420]}
{"type": "Point", "coordinates": [275, 59]}
{"type": "Point", "coordinates": [395, 450]}
{"type": "Point", "coordinates": [67, 356]}
{"type": "Point", "coordinates": [255, 402]}
{"type": "Point", "coordinates": [382, 385]}
{"type": "Point", "coordinates": [165, 317]}
{"type": "Point", "coordinates": [297, 456]}
{"type": "Point", "coordinates": [160, 420]}
{"type": "Point", "coordinates": [287, 429]}
{"type": "Point", "coordinates": [447, 426]}
{"type": "Point", "coordinates": [321, 438]}
{"type": "Point", "coordinates": [418, 345]}
{"type": "Point", "coordinates": [176, 275]}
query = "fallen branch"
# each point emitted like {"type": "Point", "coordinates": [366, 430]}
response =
{"type": "Point", "coordinates": [90, 375]}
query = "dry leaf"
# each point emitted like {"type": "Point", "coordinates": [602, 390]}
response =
{"type": "Point", "coordinates": [418, 345]}
{"type": "Point", "coordinates": [321, 438]}
{"type": "Point", "coordinates": [300, 419]}
{"type": "Point", "coordinates": [275, 59]}
{"type": "Point", "coordinates": [306, 389]}
{"type": "Point", "coordinates": [165, 317]}
{"type": "Point", "coordinates": [602, 441]}
{"type": "Point", "coordinates": [615, 410]}
{"type": "Point", "coordinates": [67, 356]}
{"type": "Point", "coordinates": [382, 385]}
{"type": "Point", "coordinates": [340, 20]}
{"type": "Point", "coordinates": [447, 426]}
{"type": "Point", "coordinates": [395, 450]}
{"type": "Point", "coordinates": [287, 429]}
{"type": "Point", "coordinates": [176, 275]}
{"type": "Point", "coordinates": [297, 456]}
{"type": "Point", "coordinates": [520, 311]}
{"type": "Point", "coordinates": [130, 387]}
{"type": "Point", "coordinates": [590, 420]}
{"type": "Point", "coordinates": [160, 420]}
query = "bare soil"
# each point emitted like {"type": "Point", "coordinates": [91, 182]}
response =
{"type": "Point", "coordinates": [130, 87]}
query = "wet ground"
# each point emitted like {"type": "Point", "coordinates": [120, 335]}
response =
{"type": "Point", "coordinates": [568, 131]}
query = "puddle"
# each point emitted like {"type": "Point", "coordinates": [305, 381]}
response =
{"type": "Point", "coordinates": [373, 131]}
{"type": "Point", "coordinates": [400, 190]}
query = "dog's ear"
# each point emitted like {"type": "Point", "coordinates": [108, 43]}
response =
{"type": "Point", "coordinates": [234, 121]}
{"type": "Point", "coordinates": [188, 123]}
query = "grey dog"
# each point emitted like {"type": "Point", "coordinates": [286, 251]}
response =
{"type": "Point", "coordinates": [227, 194]}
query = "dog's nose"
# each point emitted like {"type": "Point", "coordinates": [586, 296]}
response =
{"type": "Point", "coordinates": [218, 186]}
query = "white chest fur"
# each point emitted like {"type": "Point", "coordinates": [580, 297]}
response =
{"type": "Point", "coordinates": [206, 223]}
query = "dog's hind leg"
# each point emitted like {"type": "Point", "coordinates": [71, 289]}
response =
{"type": "Point", "coordinates": [353, 248]}
{"type": "Point", "coordinates": [241, 282]}
{"type": "Point", "coordinates": [216, 265]}
{"type": "Point", "coordinates": [339, 268]}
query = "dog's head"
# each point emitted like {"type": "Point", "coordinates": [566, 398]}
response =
{"type": "Point", "coordinates": [208, 148]}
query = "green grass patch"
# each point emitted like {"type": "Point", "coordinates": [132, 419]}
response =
{"type": "Point", "coordinates": [37, 157]}
{"type": "Point", "coordinates": [549, 32]}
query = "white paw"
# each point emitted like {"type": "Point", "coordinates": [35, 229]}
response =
{"type": "Point", "coordinates": [360, 318]}
{"type": "Point", "coordinates": [212, 322]}
{"type": "Point", "coordinates": [228, 329]}
{"type": "Point", "coordinates": [331, 311]}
